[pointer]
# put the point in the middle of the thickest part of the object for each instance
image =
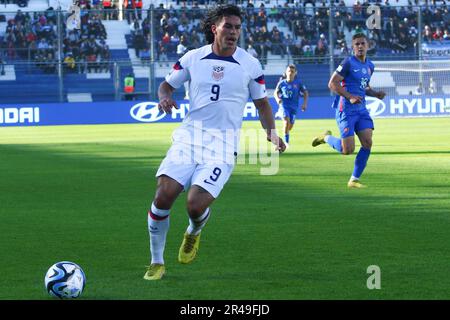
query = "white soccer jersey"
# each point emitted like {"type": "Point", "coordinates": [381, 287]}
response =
{"type": "Point", "coordinates": [219, 88]}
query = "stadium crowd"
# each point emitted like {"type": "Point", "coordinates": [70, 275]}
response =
{"type": "Point", "coordinates": [298, 28]}
{"type": "Point", "coordinates": [301, 28]}
{"type": "Point", "coordinates": [34, 37]}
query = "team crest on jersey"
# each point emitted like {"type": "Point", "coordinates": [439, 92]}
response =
{"type": "Point", "coordinates": [364, 70]}
{"type": "Point", "coordinates": [217, 73]}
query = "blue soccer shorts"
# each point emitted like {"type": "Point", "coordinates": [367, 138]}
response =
{"type": "Point", "coordinates": [349, 123]}
{"type": "Point", "coordinates": [290, 114]}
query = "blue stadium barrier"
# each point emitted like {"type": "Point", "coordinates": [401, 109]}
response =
{"type": "Point", "coordinates": [147, 112]}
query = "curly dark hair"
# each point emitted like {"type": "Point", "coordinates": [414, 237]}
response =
{"type": "Point", "coordinates": [215, 15]}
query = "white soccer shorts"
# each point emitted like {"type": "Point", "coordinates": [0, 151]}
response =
{"type": "Point", "coordinates": [211, 176]}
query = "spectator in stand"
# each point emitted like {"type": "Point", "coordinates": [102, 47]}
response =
{"type": "Point", "coordinates": [252, 51]}
{"type": "Point", "coordinates": [261, 19]}
{"type": "Point", "coordinates": [357, 9]}
{"type": "Point", "coordinates": [307, 53]}
{"type": "Point", "coordinates": [181, 47]}
{"type": "Point", "coordinates": [321, 48]}
{"type": "Point", "coordinates": [288, 45]}
{"type": "Point", "coordinates": [438, 34]}
{"type": "Point", "coordinates": [138, 43]}
{"type": "Point", "coordinates": [427, 34]}
{"type": "Point", "coordinates": [162, 51]}
{"type": "Point", "coordinates": [446, 35]}
{"type": "Point", "coordinates": [297, 50]}
{"type": "Point", "coordinates": [276, 42]}
{"type": "Point", "coordinates": [105, 58]}
{"type": "Point", "coordinates": [194, 41]}
{"type": "Point", "coordinates": [145, 26]}
{"type": "Point", "coordinates": [107, 9]}
{"type": "Point", "coordinates": [129, 7]}
{"type": "Point", "coordinates": [69, 62]}
{"type": "Point", "coordinates": [261, 39]}
{"type": "Point", "coordinates": [135, 27]}
{"type": "Point", "coordinates": [419, 90]}
{"type": "Point", "coordinates": [138, 6]}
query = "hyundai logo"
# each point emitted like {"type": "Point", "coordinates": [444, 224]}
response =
{"type": "Point", "coordinates": [146, 112]}
{"type": "Point", "coordinates": [375, 106]}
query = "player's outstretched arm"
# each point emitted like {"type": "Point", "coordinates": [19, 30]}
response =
{"type": "Point", "coordinates": [268, 122]}
{"type": "Point", "coordinates": [166, 103]}
{"type": "Point", "coordinates": [335, 85]}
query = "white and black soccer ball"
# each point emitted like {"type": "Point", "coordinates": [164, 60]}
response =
{"type": "Point", "coordinates": [65, 280]}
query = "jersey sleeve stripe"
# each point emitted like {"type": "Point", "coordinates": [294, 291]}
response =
{"type": "Point", "coordinates": [177, 66]}
{"type": "Point", "coordinates": [260, 80]}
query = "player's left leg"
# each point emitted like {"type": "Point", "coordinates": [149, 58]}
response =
{"type": "Point", "coordinates": [286, 128]}
{"type": "Point", "coordinates": [365, 137]}
{"type": "Point", "coordinates": [207, 183]}
{"type": "Point", "coordinates": [198, 202]}
{"type": "Point", "coordinates": [364, 130]}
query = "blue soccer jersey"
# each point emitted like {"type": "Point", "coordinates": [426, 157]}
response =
{"type": "Point", "coordinates": [357, 76]}
{"type": "Point", "coordinates": [290, 93]}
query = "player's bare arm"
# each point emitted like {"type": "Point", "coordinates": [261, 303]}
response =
{"type": "Point", "coordinates": [166, 103]}
{"type": "Point", "coordinates": [335, 85]}
{"type": "Point", "coordinates": [305, 100]}
{"type": "Point", "coordinates": [268, 122]}
{"type": "Point", "coordinates": [377, 94]}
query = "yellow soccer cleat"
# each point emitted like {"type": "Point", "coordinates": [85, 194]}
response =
{"type": "Point", "coordinates": [355, 184]}
{"type": "Point", "coordinates": [321, 139]}
{"type": "Point", "coordinates": [155, 272]}
{"type": "Point", "coordinates": [189, 248]}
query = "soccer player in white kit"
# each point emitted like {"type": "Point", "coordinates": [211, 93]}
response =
{"type": "Point", "coordinates": [221, 78]}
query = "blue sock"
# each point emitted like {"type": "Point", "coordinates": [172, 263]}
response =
{"type": "Point", "coordinates": [361, 162]}
{"type": "Point", "coordinates": [335, 143]}
{"type": "Point", "coordinates": [286, 138]}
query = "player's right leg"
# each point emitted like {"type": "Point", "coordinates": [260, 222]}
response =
{"type": "Point", "coordinates": [167, 192]}
{"type": "Point", "coordinates": [173, 175]}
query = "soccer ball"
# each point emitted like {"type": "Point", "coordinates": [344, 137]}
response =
{"type": "Point", "coordinates": [65, 280]}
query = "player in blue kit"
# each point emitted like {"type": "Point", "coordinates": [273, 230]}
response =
{"type": "Point", "coordinates": [351, 82]}
{"type": "Point", "coordinates": [287, 94]}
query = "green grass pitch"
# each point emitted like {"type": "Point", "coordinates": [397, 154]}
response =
{"type": "Point", "coordinates": [81, 193]}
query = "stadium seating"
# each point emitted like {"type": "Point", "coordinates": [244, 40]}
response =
{"type": "Point", "coordinates": [27, 80]}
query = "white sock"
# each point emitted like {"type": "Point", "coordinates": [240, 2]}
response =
{"type": "Point", "coordinates": [196, 225]}
{"type": "Point", "coordinates": [158, 225]}
{"type": "Point", "coordinates": [326, 138]}
{"type": "Point", "coordinates": [353, 178]}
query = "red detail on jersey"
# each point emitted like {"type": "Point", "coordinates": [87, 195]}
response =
{"type": "Point", "coordinates": [155, 217]}
{"type": "Point", "coordinates": [260, 80]}
{"type": "Point", "coordinates": [177, 66]}
{"type": "Point", "coordinates": [341, 103]}
{"type": "Point", "coordinates": [346, 130]}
